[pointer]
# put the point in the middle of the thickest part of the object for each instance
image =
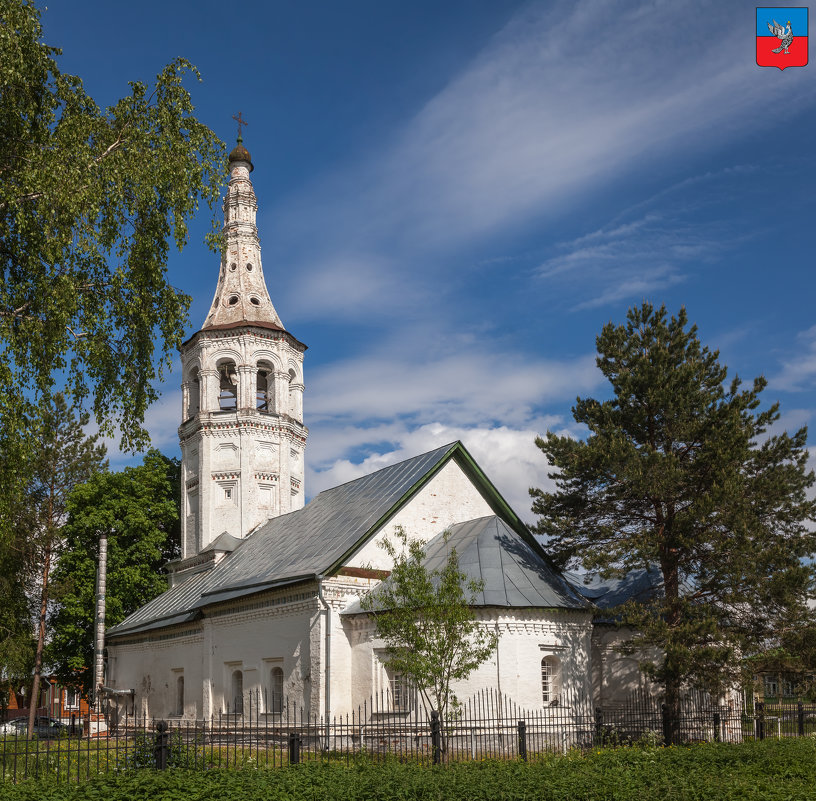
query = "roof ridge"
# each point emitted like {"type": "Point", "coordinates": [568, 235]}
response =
{"type": "Point", "coordinates": [388, 467]}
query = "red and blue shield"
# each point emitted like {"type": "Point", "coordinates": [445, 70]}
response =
{"type": "Point", "coordinates": [782, 37]}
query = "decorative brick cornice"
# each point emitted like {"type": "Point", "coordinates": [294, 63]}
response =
{"type": "Point", "coordinates": [226, 475]}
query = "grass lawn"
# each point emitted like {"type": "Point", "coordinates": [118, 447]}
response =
{"type": "Point", "coordinates": [770, 770]}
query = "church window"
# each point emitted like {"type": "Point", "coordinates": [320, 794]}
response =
{"type": "Point", "coordinates": [227, 387]}
{"type": "Point", "coordinates": [550, 680]}
{"type": "Point", "coordinates": [276, 691]}
{"type": "Point", "coordinates": [255, 301]}
{"type": "Point", "coordinates": [229, 490]}
{"type": "Point", "coordinates": [233, 267]}
{"type": "Point", "coordinates": [400, 691]}
{"type": "Point", "coordinates": [249, 268]}
{"type": "Point", "coordinates": [233, 299]}
{"type": "Point", "coordinates": [180, 695]}
{"type": "Point", "coordinates": [237, 692]}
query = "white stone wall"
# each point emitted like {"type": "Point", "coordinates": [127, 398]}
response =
{"type": "Point", "coordinates": [448, 498]}
{"type": "Point", "coordinates": [526, 636]}
{"type": "Point", "coordinates": [281, 629]}
{"type": "Point", "coordinates": [151, 665]}
{"type": "Point", "coordinates": [616, 675]}
{"type": "Point", "coordinates": [239, 468]}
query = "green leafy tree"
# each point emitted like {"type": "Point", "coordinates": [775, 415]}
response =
{"type": "Point", "coordinates": [65, 457]}
{"type": "Point", "coordinates": [16, 642]}
{"type": "Point", "coordinates": [427, 621]}
{"type": "Point", "coordinates": [138, 509]}
{"type": "Point", "coordinates": [91, 201]}
{"type": "Point", "coordinates": [680, 470]}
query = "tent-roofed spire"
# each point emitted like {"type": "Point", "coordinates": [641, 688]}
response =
{"type": "Point", "coordinates": [241, 295]}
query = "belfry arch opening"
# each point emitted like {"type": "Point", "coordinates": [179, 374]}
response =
{"type": "Point", "coordinates": [265, 388]}
{"type": "Point", "coordinates": [193, 393]}
{"type": "Point", "coordinates": [227, 387]}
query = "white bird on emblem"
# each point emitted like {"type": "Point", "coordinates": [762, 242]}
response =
{"type": "Point", "coordinates": [785, 36]}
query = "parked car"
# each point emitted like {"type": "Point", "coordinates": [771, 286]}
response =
{"type": "Point", "coordinates": [44, 727]}
{"type": "Point", "coordinates": [50, 728]}
{"type": "Point", "coordinates": [14, 728]}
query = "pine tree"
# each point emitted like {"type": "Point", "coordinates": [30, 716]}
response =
{"type": "Point", "coordinates": [683, 471]}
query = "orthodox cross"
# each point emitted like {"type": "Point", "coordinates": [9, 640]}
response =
{"type": "Point", "coordinates": [241, 121]}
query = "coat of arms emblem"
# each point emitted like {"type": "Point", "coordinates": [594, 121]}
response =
{"type": "Point", "coordinates": [784, 43]}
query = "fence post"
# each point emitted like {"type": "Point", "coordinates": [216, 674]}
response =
{"type": "Point", "coordinates": [294, 748]}
{"type": "Point", "coordinates": [522, 740]}
{"type": "Point", "coordinates": [760, 720]}
{"type": "Point", "coordinates": [436, 737]}
{"type": "Point", "coordinates": [717, 732]}
{"type": "Point", "coordinates": [800, 717]}
{"type": "Point", "coordinates": [162, 747]}
{"type": "Point", "coordinates": [598, 725]}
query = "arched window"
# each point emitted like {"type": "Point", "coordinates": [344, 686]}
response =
{"type": "Point", "coordinates": [194, 396]}
{"type": "Point", "coordinates": [265, 389]}
{"type": "Point", "coordinates": [227, 387]}
{"type": "Point", "coordinates": [180, 695]}
{"type": "Point", "coordinates": [550, 680]}
{"type": "Point", "coordinates": [238, 692]}
{"type": "Point", "coordinates": [276, 691]}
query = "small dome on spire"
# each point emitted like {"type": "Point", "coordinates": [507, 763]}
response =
{"type": "Point", "coordinates": [240, 153]}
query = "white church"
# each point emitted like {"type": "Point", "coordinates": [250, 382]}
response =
{"type": "Point", "coordinates": [265, 599]}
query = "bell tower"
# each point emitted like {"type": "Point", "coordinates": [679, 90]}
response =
{"type": "Point", "coordinates": [242, 434]}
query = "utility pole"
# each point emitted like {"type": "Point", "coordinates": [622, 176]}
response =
{"type": "Point", "coordinates": [99, 640]}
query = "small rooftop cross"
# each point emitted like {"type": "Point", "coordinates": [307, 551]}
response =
{"type": "Point", "coordinates": [241, 121]}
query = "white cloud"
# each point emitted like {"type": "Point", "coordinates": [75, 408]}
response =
{"type": "Point", "coordinates": [798, 371]}
{"type": "Point", "coordinates": [655, 279]}
{"type": "Point", "coordinates": [507, 455]}
{"type": "Point", "coordinates": [564, 100]}
{"type": "Point", "coordinates": [640, 256]}
{"type": "Point", "coordinates": [472, 384]}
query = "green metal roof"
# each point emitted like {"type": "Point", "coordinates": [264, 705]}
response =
{"type": "Point", "coordinates": [515, 573]}
{"type": "Point", "coordinates": [318, 539]}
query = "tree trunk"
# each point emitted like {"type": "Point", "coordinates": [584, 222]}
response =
{"type": "Point", "coordinates": [671, 671]}
{"type": "Point", "coordinates": [35, 683]}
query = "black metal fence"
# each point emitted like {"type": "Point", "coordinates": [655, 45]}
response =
{"type": "Point", "coordinates": [489, 725]}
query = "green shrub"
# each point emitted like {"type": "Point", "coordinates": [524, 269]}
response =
{"type": "Point", "coordinates": [763, 771]}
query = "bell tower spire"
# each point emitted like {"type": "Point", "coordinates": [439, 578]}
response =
{"type": "Point", "coordinates": [241, 294]}
{"type": "Point", "coordinates": [242, 435]}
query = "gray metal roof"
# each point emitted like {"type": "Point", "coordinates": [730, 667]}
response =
{"type": "Point", "coordinates": [296, 546]}
{"type": "Point", "coordinates": [167, 607]}
{"type": "Point", "coordinates": [640, 585]}
{"type": "Point", "coordinates": [514, 572]}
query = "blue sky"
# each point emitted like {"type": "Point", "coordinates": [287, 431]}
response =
{"type": "Point", "coordinates": [455, 197]}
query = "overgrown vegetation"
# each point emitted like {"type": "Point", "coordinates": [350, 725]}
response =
{"type": "Point", "coordinates": [769, 770]}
